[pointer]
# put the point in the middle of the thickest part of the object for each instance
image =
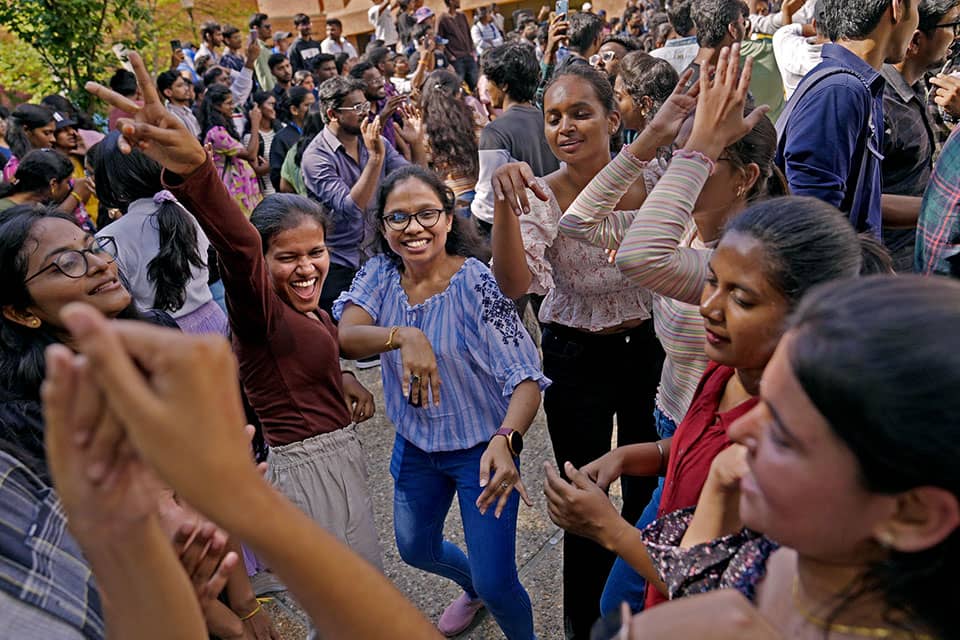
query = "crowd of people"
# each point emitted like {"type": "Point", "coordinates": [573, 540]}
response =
{"type": "Point", "coordinates": [727, 229]}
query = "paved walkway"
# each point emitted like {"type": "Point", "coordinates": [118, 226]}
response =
{"type": "Point", "coordinates": [538, 539]}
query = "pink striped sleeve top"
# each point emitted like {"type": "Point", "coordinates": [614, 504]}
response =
{"type": "Point", "coordinates": [658, 248]}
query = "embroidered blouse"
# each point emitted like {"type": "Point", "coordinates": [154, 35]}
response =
{"type": "Point", "coordinates": [482, 350]}
{"type": "Point", "coordinates": [583, 290]}
{"type": "Point", "coordinates": [660, 250]}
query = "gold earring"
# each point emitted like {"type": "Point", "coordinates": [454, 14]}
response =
{"type": "Point", "coordinates": [34, 323]}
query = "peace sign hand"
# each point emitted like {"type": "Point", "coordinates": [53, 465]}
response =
{"type": "Point", "coordinates": [154, 130]}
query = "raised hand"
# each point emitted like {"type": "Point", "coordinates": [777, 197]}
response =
{"type": "Point", "coordinates": [510, 183]}
{"type": "Point", "coordinates": [371, 131]}
{"type": "Point", "coordinates": [161, 384]}
{"type": "Point", "coordinates": [666, 124]}
{"type": "Point", "coordinates": [720, 121]}
{"type": "Point", "coordinates": [153, 129]}
{"type": "Point", "coordinates": [948, 93]}
{"type": "Point", "coordinates": [412, 130]}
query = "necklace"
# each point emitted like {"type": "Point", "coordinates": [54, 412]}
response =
{"type": "Point", "coordinates": [851, 630]}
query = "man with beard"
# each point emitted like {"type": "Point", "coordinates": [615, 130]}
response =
{"type": "Point", "coordinates": [282, 74]}
{"type": "Point", "coordinates": [342, 168]}
{"type": "Point", "coordinates": [383, 103]}
{"type": "Point", "coordinates": [909, 137]}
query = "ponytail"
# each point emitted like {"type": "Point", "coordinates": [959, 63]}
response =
{"type": "Point", "coordinates": [123, 178]}
{"type": "Point", "coordinates": [171, 269]}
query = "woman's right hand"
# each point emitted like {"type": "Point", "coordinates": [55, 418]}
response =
{"type": "Point", "coordinates": [605, 469]}
{"type": "Point", "coordinates": [727, 469]}
{"type": "Point", "coordinates": [719, 121]}
{"type": "Point", "coordinates": [153, 129]}
{"type": "Point", "coordinates": [510, 183]}
{"type": "Point", "coordinates": [255, 116]}
{"type": "Point", "coordinates": [420, 373]}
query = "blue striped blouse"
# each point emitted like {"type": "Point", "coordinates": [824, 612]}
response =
{"type": "Point", "coordinates": [483, 352]}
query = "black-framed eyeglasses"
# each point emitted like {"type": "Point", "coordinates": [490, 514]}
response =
{"type": "Point", "coordinates": [400, 220]}
{"type": "Point", "coordinates": [359, 108]}
{"type": "Point", "coordinates": [955, 26]}
{"type": "Point", "coordinates": [74, 264]}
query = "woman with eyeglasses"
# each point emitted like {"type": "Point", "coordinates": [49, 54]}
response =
{"type": "Point", "coordinates": [439, 321]}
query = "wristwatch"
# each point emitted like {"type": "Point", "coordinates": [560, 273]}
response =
{"type": "Point", "coordinates": [514, 439]}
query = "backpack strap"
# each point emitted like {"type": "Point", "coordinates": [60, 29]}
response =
{"type": "Point", "coordinates": [850, 203]}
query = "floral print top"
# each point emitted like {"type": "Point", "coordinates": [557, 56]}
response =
{"type": "Point", "coordinates": [236, 173]}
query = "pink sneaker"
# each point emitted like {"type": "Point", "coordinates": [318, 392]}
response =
{"type": "Point", "coordinates": [458, 615]}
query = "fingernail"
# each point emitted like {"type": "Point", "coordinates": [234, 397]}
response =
{"type": "Point", "coordinates": [483, 482]}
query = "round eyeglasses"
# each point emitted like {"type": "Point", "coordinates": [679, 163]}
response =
{"type": "Point", "coordinates": [74, 264]}
{"type": "Point", "coordinates": [359, 108]}
{"type": "Point", "coordinates": [399, 220]}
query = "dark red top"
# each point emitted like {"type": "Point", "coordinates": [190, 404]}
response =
{"type": "Point", "coordinates": [698, 440]}
{"type": "Point", "coordinates": [456, 29]}
{"type": "Point", "coordinates": [289, 362]}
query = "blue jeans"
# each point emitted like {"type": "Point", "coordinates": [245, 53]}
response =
{"type": "Point", "coordinates": [623, 583]}
{"type": "Point", "coordinates": [424, 485]}
{"type": "Point", "coordinates": [468, 70]}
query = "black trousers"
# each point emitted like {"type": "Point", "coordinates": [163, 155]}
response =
{"type": "Point", "coordinates": [594, 378]}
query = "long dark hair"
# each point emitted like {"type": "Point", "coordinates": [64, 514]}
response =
{"type": "Point", "coordinates": [449, 125]}
{"type": "Point", "coordinates": [210, 115]}
{"type": "Point", "coordinates": [21, 348]}
{"type": "Point", "coordinates": [26, 116]}
{"type": "Point", "coordinates": [35, 172]}
{"type": "Point", "coordinates": [462, 240]}
{"type": "Point", "coordinates": [589, 75]}
{"type": "Point", "coordinates": [880, 360]}
{"type": "Point", "coordinates": [123, 178]}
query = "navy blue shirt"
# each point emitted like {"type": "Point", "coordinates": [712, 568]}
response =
{"type": "Point", "coordinates": [823, 148]}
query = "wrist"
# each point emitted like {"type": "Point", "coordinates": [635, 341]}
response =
{"type": "Point", "coordinates": [614, 536]}
{"type": "Point", "coordinates": [705, 145]}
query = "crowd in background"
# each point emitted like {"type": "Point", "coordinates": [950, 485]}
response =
{"type": "Point", "coordinates": [724, 228]}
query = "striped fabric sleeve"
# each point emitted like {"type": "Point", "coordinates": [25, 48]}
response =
{"type": "Point", "coordinates": [650, 253]}
{"type": "Point", "coordinates": [591, 217]}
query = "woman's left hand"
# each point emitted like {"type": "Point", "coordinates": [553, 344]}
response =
{"type": "Point", "coordinates": [498, 459]}
{"type": "Point", "coordinates": [260, 626]}
{"type": "Point", "coordinates": [580, 506]}
{"type": "Point", "coordinates": [359, 400]}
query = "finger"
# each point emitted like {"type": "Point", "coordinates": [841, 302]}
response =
{"type": "Point", "coordinates": [502, 502]}
{"type": "Point", "coordinates": [405, 380]}
{"type": "Point", "coordinates": [577, 477]}
{"type": "Point", "coordinates": [522, 490]}
{"type": "Point", "coordinates": [497, 189]}
{"type": "Point", "coordinates": [723, 67]}
{"type": "Point", "coordinates": [531, 182]}
{"type": "Point", "coordinates": [435, 387]}
{"type": "Point", "coordinates": [485, 463]}
{"type": "Point", "coordinates": [519, 185]}
{"type": "Point", "coordinates": [218, 581]}
{"type": "Point", "coordinates": [112, 98]}
{"type": "Point", "coordinates": [684, 79]}
{"type": "Point", "coordinates": [57, 393]}
{"type": "Point", "coordinates": [756, 115]}
{"type": "Point", "coordinates": [147, 86]}
{"type": "Point", "coordinates": [733, 65]}
{"type": "Point", "coordinates": [745, 75]}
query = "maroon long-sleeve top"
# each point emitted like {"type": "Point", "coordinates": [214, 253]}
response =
{"type": "Point", "coordinates": [289, 362]}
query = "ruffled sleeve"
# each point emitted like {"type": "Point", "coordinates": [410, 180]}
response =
{"type": "Point", "coordinates": [736, 561]}
{"type": "Point", "coordinates": [539, 230]}
{"type": "Point", "coordinates": [366, 290]}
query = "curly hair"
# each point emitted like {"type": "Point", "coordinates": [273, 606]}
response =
{"type": "Point", "coordinates": [449, 125]}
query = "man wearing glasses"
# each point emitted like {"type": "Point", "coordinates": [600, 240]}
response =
{"type": "Point", "coordinates": [909, 135]}
{"type": "Point", "coordinates": [342, 169]}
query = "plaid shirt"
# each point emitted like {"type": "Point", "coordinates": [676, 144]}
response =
{"type": "Point", "coordinates": [938, 229]}
{"type": "Point", "coordinates": [40, 562]}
